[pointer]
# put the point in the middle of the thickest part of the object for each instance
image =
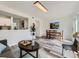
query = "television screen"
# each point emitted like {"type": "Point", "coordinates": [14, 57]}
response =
{"type": "Point", "coordinates": [54, 25]}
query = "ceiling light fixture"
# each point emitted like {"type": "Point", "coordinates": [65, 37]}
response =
{"type": "Point", "coordinates": [40, 6]}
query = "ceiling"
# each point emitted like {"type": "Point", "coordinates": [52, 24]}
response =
{"type": "Point", "coordinates": [55, 8]}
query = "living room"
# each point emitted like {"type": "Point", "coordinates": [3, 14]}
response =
{"type": "Point", "coordinates": [54, 24]}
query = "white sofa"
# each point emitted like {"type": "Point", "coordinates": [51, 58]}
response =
{"type": "Point", "coordinates": [14, 36]}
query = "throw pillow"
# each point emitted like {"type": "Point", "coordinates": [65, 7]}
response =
{"type": "Point", "coordinates": [2, 47]}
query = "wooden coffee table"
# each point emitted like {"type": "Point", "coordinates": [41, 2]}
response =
{"type": "Point", "coordinates": [28, 49]}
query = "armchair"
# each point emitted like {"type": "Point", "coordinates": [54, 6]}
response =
{"type": "Point", "coordinates": [72, 47]}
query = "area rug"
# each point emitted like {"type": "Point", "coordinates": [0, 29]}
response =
{"type": "Point", "coordinates": [42, 53]}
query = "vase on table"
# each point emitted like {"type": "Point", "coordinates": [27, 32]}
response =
{"type": "Point", "coordinates": [33, 30]}
{"type": "Point", "coordinates": [33, 39]}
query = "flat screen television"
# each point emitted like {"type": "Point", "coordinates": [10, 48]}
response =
{"type": "Point", "coordinates": [54, 25]}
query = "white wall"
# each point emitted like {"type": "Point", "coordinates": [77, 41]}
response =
{"type": "Point", "coordinates": [44, 24]}
{"type": "Point", "coordinates": [66, 24]}
{"type": "Point", "coordinates": [67, 27]}
{"type": "Point", "coordinates": [12, 12]}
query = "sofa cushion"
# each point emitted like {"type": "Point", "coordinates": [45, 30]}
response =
{"type": "Point", "coordinates": [7, 54]}
{"type": "Point", "coordinates": [7, 51]}
{"type": "Point", "coordinates": [2, 47]}
{"type": "Point", "coordinates": [4, 42]}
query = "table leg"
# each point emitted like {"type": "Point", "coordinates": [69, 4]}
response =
{"type": "Point", "coordinates": [31, 54]}
{"type": "Point", "coordinates": [20, 53]}
{"type": "Point", "coordinates": [62, 50]}
{"type": "Point", "coordinates": [37, 54]}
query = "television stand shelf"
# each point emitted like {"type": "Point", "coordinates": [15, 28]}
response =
{"type": "Point", "coordinates": [54, 34]}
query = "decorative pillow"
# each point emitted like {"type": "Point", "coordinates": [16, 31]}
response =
{"type": "Point", "coordinates": [2, 47]}
{"type": "Point", "coordinates": [4, 42]}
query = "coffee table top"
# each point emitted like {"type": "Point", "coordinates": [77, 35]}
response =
{"type": "Point", "coordinates": [29, 47]}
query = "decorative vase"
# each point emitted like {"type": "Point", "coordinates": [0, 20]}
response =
{"type": "Point", "coordinates": [33, 29]}
{"type": "Point", "coordinates": [33, 40]}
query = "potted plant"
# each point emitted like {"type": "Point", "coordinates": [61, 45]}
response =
{"type": "Point", "coordinates": [33, 29]}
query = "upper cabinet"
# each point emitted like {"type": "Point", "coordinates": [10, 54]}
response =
{"type": "Point", "coordinates": [5, 23]}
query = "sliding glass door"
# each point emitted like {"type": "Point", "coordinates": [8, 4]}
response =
{"type": "Point", "coordinates": [76, 24]}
